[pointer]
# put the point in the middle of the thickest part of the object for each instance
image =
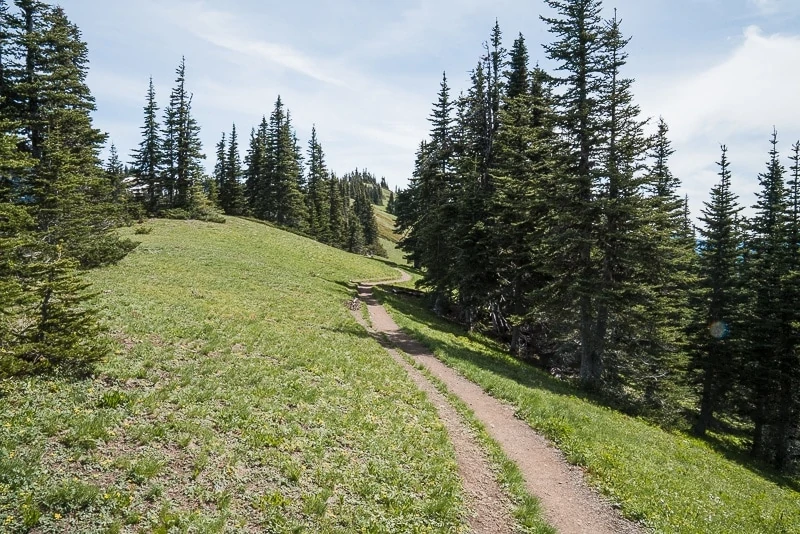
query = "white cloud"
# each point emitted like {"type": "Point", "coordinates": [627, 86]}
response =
{"type": "Point", "coordinates": [736, 102]}
{"type": "Point", "coordinates": [226, 31]}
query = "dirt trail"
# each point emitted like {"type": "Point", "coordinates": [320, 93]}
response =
{"type": "Point", "coordinates": [568, 503]}
{"type": "Point", "coordinates": [490, 509]}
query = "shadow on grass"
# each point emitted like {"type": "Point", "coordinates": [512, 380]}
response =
{"type": "Point", "coordinates": [533, 378]}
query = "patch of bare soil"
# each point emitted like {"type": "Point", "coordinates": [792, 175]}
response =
{"type": "Point", "coordinates": [568, 503]}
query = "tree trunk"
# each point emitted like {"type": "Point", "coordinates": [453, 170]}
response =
{"type": "Point", "coordinates": [707, 402]}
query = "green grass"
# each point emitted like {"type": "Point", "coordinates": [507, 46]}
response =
{"type": "Point", "coordinates": [242, 396]}
{"type": "Point", "coordinates": [670, 482]}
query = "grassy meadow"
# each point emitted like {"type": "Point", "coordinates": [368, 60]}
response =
{"type": "Point", "coordinates": [671, 482]}
{"type": "Point", "coordinates": [239, 395]}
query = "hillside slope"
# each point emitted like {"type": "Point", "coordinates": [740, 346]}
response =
{"type": "Point", "coordinates": [241, 396]}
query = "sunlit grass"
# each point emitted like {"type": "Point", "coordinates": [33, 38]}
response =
{"type": "Point", "coordinates": [242, 397]}
{"type": "Point", "coordinates": [670, 482]}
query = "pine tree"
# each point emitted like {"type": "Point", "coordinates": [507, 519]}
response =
{"type": "Point", "coordinates": [671, 268]}
{"type": "Point", "coordinates": [435, 177]}
{"type": "Point", "coordinates": [518, 75]}
{"type": "Point", "coordinates": [390, 208]}
{"type": "Point", "coordinates": [56, 212]}
{"type": "Point", "coordinates": [318, 197]}
{"type": "Point", "coordinates": [362, 207]}
{"type": "Point", "coordinates": [572, 236]}
{"type": "Point", "coordinates": [523, 174]}
{"type": "Point", "coordinates": [221, 166]}
{"type": "Point", "coordinates": [258, 188]}
{"type": "Point", "coordinates": [283, 202]}
{"type": "Point", "coordinates": [770, 372]}
{"type": "Point", "coordinates": [231, 193]}
{"type": "Point", "coordinates": [148, 158]}
{"type": "Point", "coordinates": [717, 302]}
{"type": "Point", "coordinates": [182, 148]}
{"type": "Point", "coordinates": [116, 175]}
{"type": "Point", "coordinates": [337, 221]}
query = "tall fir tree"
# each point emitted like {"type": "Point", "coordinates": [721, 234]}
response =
{"type": "Point", "coordinates": [148, 157]}
{"type": "Point", "coordinates": [231, 192]}
{"type": "Point", "coordinates": [571, 234]}
{"type": "Point", "coordinates": [318, 197]}
{"type": "Point", "coordinates": [56, 212]}
{"type": "Point", "coordinates": [770, 370]}
{"type": "Point", "coordinates": [116, 175]}
{"type": "Point", "coordinates": [523, 173]}
{"type": "Point", "coordinates": [182, 148]}
{"type": "Point", "coordinates": [717, 303]}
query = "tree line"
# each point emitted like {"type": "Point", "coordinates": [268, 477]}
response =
{"type": "Point", "coordinates": [274, 182]}
{"type": "Point", "coordinates": [540, 209]}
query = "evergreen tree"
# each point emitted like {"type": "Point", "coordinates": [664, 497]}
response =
{"type": "Point", "coordinates": [337, 216]}
{"type": "Point", "coordinates": [147, 159]}
{"type": "Point", "coordinates": [717, 302]}
{"type": "Point", "coordinates": [518, 75]}
{"type": "Point", "coordinates": [221, 166]}
{"type": "Point", "coordinates": [182, 148]}
{"type": "Point", "coordinates": [318, 197]}
{"type": "Point", "coordinates": [572, 234]}
{"type": "Point", "coordinates": [629, 336]}
{"type": "Point", "coordinates": [116, 175]}
{"type": "Point", "coordinates": [55, 209]}
{"type": "Point", "coordinates": [258, 188]}
{"type": "Point", "coordinates": [523, 174]}
{"type": "Point", "coordinates": [390, 207]}
{"type": "Point", "coordinates": [435, 177]}
{"type": "Point", "coordinates": [231, 193]}
{"type": "Point", "coordinates": [771, 367]}
{"type": "Point", "coordinates": [284, 202]}
{"type": "Point", "coordinates": [362, 207]}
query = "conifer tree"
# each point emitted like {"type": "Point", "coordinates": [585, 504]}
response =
{"type": "Point", "coordinates": [518, 75]}
{"type": "Point", "coordinates": [231, 193]}
{"type": "Point", "coordinates": [572, 232]}
{"type": "Point", "coordinates": [318, 197]}
{"type": "Point", "coordinates": [55, 210]}
{"type": "Point", "coordinates": [258, 188]}
{"type": "Point", "coordinates": [116, 175]}
{"type": "Point", "coordinates": [523, 173]}
{"type": "Point", "coordinates": [221, 166]}
{"type": "Point", "coordinates": [390, 204]}
{"type": "Point", "coordinates": [770, 370]}
{"type": "Point", "coordinates": [717, 302]}
{"type": "Point", "coordinates": [436, 193]}
{"type": "Point", "coordinates": [337, 204]}
{"type": "Point", "coordinates": [148, 158]}
{"type": "Point", "coordinates": [182, 148]}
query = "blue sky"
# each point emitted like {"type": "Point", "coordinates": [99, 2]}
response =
{"type": "Point", "coordinates": [366, 73]}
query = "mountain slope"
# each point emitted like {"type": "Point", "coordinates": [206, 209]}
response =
{"type": "Point", "coordinates": [241, 396]}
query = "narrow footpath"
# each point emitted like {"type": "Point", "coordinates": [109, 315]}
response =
{"type": "Point", "coordinates": [569, 504]}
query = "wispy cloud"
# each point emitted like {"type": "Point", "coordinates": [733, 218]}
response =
{"type": "Point", "coordinates": [227, 31]}
{"type": "Point", "coordinates": [750, 91]}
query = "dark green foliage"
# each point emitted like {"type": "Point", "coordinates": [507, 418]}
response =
{"type": "Point", "coordinates": [181, 148]}
{"type": "Point", "coordinates": [770, 371]}
{"type": "Point", "coordinates": [390, 204]}
{"type": "Point", "coordinates": [318, 195]}
{"type": "Point", "coordinates": [716, 356]}
{"type": "Point", "coordinates": [228, 174]}
{"type": "Point", "coordinates": [148, 158]}
{"type": "Point", "coordinates": [58, 206]}
{"type": "Point", "coordinates": [518, 76]}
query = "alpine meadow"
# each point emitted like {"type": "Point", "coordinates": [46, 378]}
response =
{"type": "Point", "coordinates": [528, 320]}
